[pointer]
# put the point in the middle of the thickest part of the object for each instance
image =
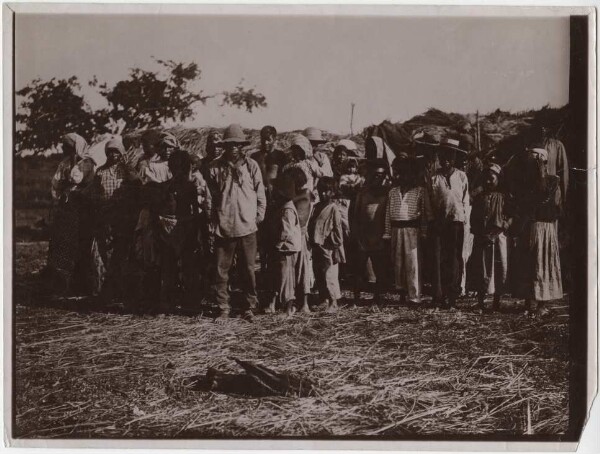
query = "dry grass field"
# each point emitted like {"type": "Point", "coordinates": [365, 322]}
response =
{"type": "Point", "coordinates": [82, 371]}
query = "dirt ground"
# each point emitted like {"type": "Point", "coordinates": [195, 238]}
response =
{"type": "Point", "coordinates": [82, 371]}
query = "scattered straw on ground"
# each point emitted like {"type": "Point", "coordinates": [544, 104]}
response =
{"type": "Point", "coordinates": [397, 372]}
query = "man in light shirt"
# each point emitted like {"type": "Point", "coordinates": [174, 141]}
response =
{"type": "Point", "coordinates": [450, 204]}
{"type": "Point", "coordinates": [237, 206]}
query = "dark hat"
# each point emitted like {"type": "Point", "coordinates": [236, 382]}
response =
{"type": "Point", "coordinates": [234, 134]}
{"type": "Point", "coordinates": [452, 145]}
{"type": "Point", "coordinates": [425, 139]}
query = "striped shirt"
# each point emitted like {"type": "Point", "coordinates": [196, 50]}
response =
{"type": "Point", "coordinates": [411, 206]}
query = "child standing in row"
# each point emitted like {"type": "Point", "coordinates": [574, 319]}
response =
{"type": "Point", "coordinates": [489, 222]}
{"type": "Point", "coordinates": [367, 224]}
{"type": "Point", "coordinates": [328, 244]}
{"type": "Point", "coordinates": [288, 245]}
{"type": "Point", "coordinates": [407, 214]}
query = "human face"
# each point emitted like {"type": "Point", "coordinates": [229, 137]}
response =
{"type": "Point", "coordinates": [149, 150]}
{"type": "Point", "coordinates": [68, 149]}
{"type": "Point", "coordinates": [353, 169]}
{"type": "Point", "coordinates": [233, 151]}
{"type": "Point", "coordinates": [327, 195]}
{"type": "Point", "coordinates": [167, 152]}
{"type": "Point", "coordinates": [341, 155]}
{"type": "Point", "coordinates": [378, 177]}
{"type": "Point", "coordinates": [112, 157]}
{"type": "Point", "coordinates": [447, 159]}
{"type": "Point", "coordinates": [491, 180]}
{"type": "Point", "coordinates": [403, 177]}
{"type": "Point", "coordinates": [298, 154]}
{"type": "Point", "coordinates": [267, 143]}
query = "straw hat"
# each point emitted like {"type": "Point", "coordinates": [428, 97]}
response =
{"type": "Point", "coordinates": [314, 135]}
{"type": "Point", "coordinates": [234, 134]}
{"type": "Point", "coordinates": [347, 144]}
{"type": "Point", "coordinates": [540, 153]}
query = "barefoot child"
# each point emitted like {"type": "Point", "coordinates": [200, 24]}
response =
{"type": "Point", "coordinates": [488, 224]}
{"type": "Point", "coordinates": [328, 244]}
{"type": "Point", "coordinates": [287, 238]}
{"type": "Point", "coordinates": [367, 224]}
{"type": "Point", "coordinates": [406, 217]}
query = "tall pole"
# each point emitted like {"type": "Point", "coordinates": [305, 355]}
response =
{"type": "Point", "coordinates": [352, 118]}
{"type": "Point", "coordinates": [478, 136]}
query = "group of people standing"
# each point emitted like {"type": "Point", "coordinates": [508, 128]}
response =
{"type": "Point", "coordinates": [164, 228]}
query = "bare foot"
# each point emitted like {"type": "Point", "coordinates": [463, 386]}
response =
{"type": "Point", "coordinates": [249, 316]}
{"type": "Point", "coordinates": [270, 309]}
{"type": "Point", "coordinates": [333, 307]}
{"type": "Point", "coordinates": [542, 311]}
{"type": "Point", "coordinates": [323, 306]}
{"type": "Point", "coordinates": [291, 310]}
{"type": "Point", "coordinates": [222, 318]}
{"type": "Point", "coordinates": [305, 309]}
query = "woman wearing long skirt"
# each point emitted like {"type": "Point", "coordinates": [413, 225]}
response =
{"type": "Point", "coordinates": [543, 276]}
{"type": "Point", "coordinates": [69, 251]}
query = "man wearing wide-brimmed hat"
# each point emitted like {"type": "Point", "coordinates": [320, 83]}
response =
{"type": "Point", "coordinates": [237, 207]}
{"type": "Point", "coordinates": [451, 208]}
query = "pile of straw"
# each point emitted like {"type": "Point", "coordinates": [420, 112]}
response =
{"type": "Point", "coordinates": [500, 131]}
{"type": "Point", "coordinates": [395, 372]}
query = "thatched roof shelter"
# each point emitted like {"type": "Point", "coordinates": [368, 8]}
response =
{"type": "Point", "coordinates": [501, 133]}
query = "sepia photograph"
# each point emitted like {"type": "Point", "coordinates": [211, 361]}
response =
{"type": "Point", "coordinates": [299, 223]}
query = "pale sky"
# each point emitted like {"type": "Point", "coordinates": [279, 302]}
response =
{"type": "Point", "coordinates": [311, 68]}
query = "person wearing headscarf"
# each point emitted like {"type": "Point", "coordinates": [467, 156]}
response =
{"type": "Point", "coordinates": [328, 245]}
{"type": "Point", "coordinates": [153, 167]}
{"type": "Point", "coordinates": [115, 221]}
{"type": "Point", "coordinates": [69, 253]}
{"type": "Point", "coordinates": [153, 173]}
{"type": "Point", "coordinates": [301, 153]}
{"type": "Point", "coordinates": [287, 242]}
{"type": "Point", "coordinates": [168, 144]}
{"type": "Point", "coordinates": [540, 208]}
